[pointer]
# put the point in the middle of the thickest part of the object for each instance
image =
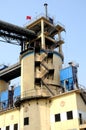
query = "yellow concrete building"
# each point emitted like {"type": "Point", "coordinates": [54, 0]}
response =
{"type": "Point", "coordinates": [44, 100]}
{"type": "Point", "coordinates": [68, 111]}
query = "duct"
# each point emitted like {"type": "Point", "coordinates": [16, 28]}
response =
{"type": "Point", "coordinates": [17, 30]}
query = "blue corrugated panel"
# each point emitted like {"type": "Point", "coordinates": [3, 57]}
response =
{"type": "Point", "coordinates": [66, 73]}
{"type": "Point", "coordinates": [17, 91]}
{"type": "Point", "coordinates": [4, 99]}
{"type": "Point", "coordinates": [66, 78]}
{"type": "Point", "coordinates": [68, 84]}
{"type": "Point", "coordinates": [4, 95]}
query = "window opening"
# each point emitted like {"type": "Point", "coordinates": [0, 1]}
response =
{"type": "Point", "coordinates": [69, 115]}
{"type": "Point", "coordinates": [57, 117]}
{"type": "Point", "coordinates": [26, 121]}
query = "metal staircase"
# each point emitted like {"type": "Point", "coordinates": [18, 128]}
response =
{"type": "Point", "coordinates": [45, 68]}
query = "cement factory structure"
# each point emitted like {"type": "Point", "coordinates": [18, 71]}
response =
{"type": "Point", "coordinates": [49, 96]}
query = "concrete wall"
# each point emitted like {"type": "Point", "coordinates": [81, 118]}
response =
{"type": "Point", "coordinates": [41, 113]}
{"type": "Point", "coordinates": [27, 73]}
{"type": "Point", "coordinates": [57, 63]}
{"type": "Point", "coordinates": [81, 108]}
{"type": "Point", "coordinates": [9, 118]}
{"type": "Point", "coordinates": [61, 105]}
{"type": "Point", "coordinates": [3, 85]}
{"type": "Point", "coordinates": [38, 113]}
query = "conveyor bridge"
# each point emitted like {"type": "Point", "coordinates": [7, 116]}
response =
{"type": "Point", "coordinates": [11, 72]}
{"type": "Point", "coordinates": [11, 33]}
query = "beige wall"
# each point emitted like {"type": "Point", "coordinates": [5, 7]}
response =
{"type": "Point", "coordinates": [80, 103]}
{"type": "Point", "coordinates": [65, 125]}
{"type": "Point", "coordinates": [62, 104]}
{"type": "Point", "coordinates": [27, 73]}
{"type": "Point", "coordinates": [41, 113]}
{"type": "Point", "coordinates": [9, 117]}
{"type": "Point", "coordinates": [57, 62]}
{"type": "Point", "coordinates": [38, 113]}
{"type": "Point", "coordinates": [3, 85]}
{"type": "Point", "coordinates": [81, 106]}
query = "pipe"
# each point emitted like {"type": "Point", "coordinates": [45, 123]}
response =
{"type": "Point", "coordinates": [16, 29]}
{"type": "Point", "coordinates": [46, 9]}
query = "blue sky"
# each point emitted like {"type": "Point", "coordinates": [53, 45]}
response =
{"type": "Point", "coordinates": [71, 13]}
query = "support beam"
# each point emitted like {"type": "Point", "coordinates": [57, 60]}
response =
{"type": "Point", "coordinates": [42, 35]}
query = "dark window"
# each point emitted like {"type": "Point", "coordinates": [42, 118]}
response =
{"type": "Point", "coordinates": [57, 117]}
{"type": "Point", "coordinates": [80, 118]}
{"type": "Point", "coordinates": [26, 121]}
{"type": "Point", "coordinates": [69, 115]}
{"type": "Point", "coordinates": [15, 126]}
{"type": "Point", "coordinates": [7, 127]}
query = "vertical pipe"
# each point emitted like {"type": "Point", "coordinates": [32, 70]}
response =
{"type": "Point", "coordinates": [46, 9]}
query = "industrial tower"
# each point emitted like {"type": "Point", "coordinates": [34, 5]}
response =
{"type": "Point", "coordinates": [39, 70]}
{"type": "Point", "coordinates": [40, 65]}
{"type": "Point", "coordinates": [49, 96]}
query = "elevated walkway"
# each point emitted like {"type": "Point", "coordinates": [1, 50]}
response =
{"type": "Point", "coordinates": [11, 72]}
